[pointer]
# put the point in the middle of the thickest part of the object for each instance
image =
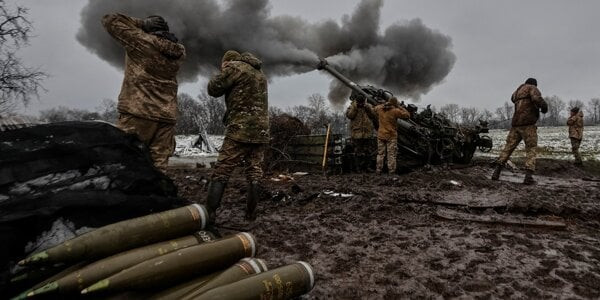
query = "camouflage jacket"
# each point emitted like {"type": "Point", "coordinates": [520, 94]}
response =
{"type": "Point", "coordinates": [149, 88]}
{"type": "Point", "coordinates": [361, 126]}
{"type": "Point", "coordinates": [575, 123]}
{"type": "Point", "coordinates": [245, 88]}
{"type": "Point", "coordinates": [528, 102]}
{"type": "Point", "coordinates": [388, 120]}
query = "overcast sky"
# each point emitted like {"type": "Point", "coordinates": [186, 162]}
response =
{"type": "Point", "coordinates": [498, 45]}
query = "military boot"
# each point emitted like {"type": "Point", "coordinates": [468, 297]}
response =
{"type": "Point", "coordinates": [497, 171]}
{"type": "Point", "coordinates": [252, 200]}
{"type": "Point", "coordinates": [529, 178]}
{"type": "Point", "coordinates": [213, 200]}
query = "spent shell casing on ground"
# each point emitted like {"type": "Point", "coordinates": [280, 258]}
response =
{"type": "Point", "coordinates": [180, 265]}
{"type": "Point", "coordinates": [125, 235]}
{"type": "Point", "coordinates": [282, 283]}
{"type": "Point", "coordinates": [82, 278]}
{"type": "Point", "coordinates": [56, 276]}
{"type": "Point", "coordinates": [241, 270]}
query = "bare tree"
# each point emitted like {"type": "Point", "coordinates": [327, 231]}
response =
{"type": "Point", "coordinates": [555, 107]}
{"type": "Point", "coordinates": [469, 115]}
{"type": "Point", "coordinates": [108, 110]}
{"type": "Point", "coordinates": [486, 115]}
{"type": "Point", "coordinates": [62, 113]}
{"type": "Point", "coordinates": [451, 111]}
{"type": "Point", "coordinates": [18, 83]}
{"type": "Point", "coordinates": [215, 112]}
{"type": "Point", "coordinates": [593, 109]}
{"type": "Point", "coordinates": [576, 103]}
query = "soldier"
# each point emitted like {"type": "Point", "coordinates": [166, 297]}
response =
{"type": "Point", "coordinates": [360, 114]}
{"type": "Point", "coordinates": [575, 123]}
{"type": "Point", "coordinates": [387, 133]}
{"type": "Point", "coordinates": [247, 127]}
{"type": "Point", "coordinates": [148, 99]}
{"type": "Point", "coordinates": [528, 104]}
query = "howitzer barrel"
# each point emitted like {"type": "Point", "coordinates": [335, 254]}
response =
{"type": "Point", "coordinates": [324, 65]}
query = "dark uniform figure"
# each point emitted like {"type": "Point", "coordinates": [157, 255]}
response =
{"type": "Point", "coordinates": [148, 99]}
{"type": "Point", "coordinates": [247, 127]}
{"type": "Point", "coordinates": [528, 104]}
{"type": "Point", "coordinates": [575, 123]}
{"type": "Point", "coordinates": [361, 115]}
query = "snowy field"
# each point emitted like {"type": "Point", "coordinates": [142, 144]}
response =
{"type": "Point", "coordinates": [185, 146]}
{"type": "Point", "coordinates": [553, 142]}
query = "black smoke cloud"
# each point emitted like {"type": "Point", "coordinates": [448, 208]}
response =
{"type": "Point", "coordinates": [407, 58]}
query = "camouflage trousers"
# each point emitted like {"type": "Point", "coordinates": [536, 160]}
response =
{"type": "Point", "coordinates": [515, 135]}
{"type": "Point", "coordinates": [158, 136]}
{"type": "Point", "coordinates": [391, 147]}
{"type": "Point", "coordinates": [575, 143]}
{"type": "Point", "coordinates": [234, 154]}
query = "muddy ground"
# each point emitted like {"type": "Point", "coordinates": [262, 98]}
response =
{"type": "Point", "coordinates": [385, 241]}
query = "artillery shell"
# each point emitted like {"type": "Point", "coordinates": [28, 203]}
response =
{"type": "Point", "coordinates": [282, 283]}
{"type": "Point", "coordinates": [180, 265]}
{"type": "Point", "coordinates": [125, 235]}
{"type": "Point", "coordinates": [176, 292]}
{"type": "Point", "coordinates": [58, 275]}
{"type": "Point", "coordinates": [241, 270]}
{"type": "Point", "coordinates": [78, 280]}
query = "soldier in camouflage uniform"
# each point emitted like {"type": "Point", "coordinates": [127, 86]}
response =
{"type": "Point", "coordinates": [575, 123]}
{"type": "Point", "coordinates": [361, 115]}
{"type": "Point", "coordinates": [247, 127]}
{"type": "Point", "coordinates": [387, 133]}
{"type": "Point", "coordinates": [148, 99]}
{"type": "Point", "coordinates": [528, 104]}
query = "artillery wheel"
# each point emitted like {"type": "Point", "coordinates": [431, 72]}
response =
{"type": "Point", "coordinates": [487, 145]}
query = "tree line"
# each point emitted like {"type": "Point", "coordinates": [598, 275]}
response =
{"type": "Point", "coordinates": [204, 114]}
{"type": "Point", "coordinates": [557, 115]}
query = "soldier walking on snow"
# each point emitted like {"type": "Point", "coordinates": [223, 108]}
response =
{"type": "Point", "coordinates": [387, 133]}
{"type": "Point", "coordinates": [361, 115]}
{"type": "Point", "coordinates": [148, 99]}
{"type": "Point", "coordinates": [575, 123]}
{"type": "Point", "coordinates": [247, 127]}
{"type": "Point", "coordinates": [528, 104]}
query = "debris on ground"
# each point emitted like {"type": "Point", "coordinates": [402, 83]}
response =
{"type": "Point", "coordinates": [386, 242]}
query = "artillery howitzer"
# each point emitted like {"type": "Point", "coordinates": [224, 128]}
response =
{"type": "Point", "coordinates": [427, 137]}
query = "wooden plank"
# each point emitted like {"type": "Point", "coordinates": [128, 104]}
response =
{"type": "Point", "coordinates": [449, 214]}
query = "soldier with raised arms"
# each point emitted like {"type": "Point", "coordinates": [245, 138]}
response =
{"type": "Point", "coordinates": [361, 115]}
{"type": "Point", "coordinates": [246, 119]}
{"type": "Point", "coordinates": [528, 104]}
{"type": "Point", "coordinates": [148, 99]}
{"type": "Point", "coordinates": [387, 133]}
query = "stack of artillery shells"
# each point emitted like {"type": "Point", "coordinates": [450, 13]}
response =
{"type": "Point", "coordinates": [163, 256]}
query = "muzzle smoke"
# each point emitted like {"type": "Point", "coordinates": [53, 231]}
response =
{"type": "Point", "coordinates": [406, 58]}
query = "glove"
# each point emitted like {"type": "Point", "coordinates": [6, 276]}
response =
{"type": "Point", "coordinates": [154, 24]}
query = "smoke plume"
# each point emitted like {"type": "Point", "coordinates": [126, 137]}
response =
{"type": "Point", "coordinates": [406, 58]}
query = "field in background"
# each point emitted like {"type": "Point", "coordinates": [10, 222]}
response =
{"type": "Point", "coordinates": [553, 142]}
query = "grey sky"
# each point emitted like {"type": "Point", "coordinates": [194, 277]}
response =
{"type": "Point", "coordinates": [497, 43]}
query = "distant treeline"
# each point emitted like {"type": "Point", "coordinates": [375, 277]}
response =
{"type": "Point", "coordinates": [557, 115]}
{"type": "Point", "coordinates": [205, 113]}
